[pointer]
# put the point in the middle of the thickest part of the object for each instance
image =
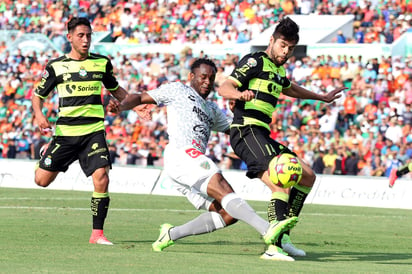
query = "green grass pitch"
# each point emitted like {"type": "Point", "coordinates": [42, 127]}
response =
{"type": "Point", "coordinates": [47, 231]}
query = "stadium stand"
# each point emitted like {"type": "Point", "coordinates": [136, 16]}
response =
{"type": "Point", "coordinates": [369, 129]}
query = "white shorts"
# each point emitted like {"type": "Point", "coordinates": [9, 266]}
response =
{"type": "Point", "coordinates": [193, 170]}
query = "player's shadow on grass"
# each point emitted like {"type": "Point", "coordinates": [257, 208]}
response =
{"type": "Point", "coordinates": [345, 256]}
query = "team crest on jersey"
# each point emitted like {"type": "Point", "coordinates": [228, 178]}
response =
{"type": "Point", "coordinates": [82, 72]}
{"type": "Point", "coordinates": [251, 62]}
{"type": "Point", "coordinates": [45, 74]}
{"type": "Point", "coordinates": [47, 161]}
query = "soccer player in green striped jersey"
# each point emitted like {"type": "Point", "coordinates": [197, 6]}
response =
{"type": "Point", "coordinates": [256, 84]}
{"type": "Point", "coordinates": [79, 133]}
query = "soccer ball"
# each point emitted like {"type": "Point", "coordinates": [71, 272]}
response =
{"type": "Point", "coordinates": [285, 170]}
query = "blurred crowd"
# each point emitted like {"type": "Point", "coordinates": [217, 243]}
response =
{"type": "Point", "coordinates": [201, 21]}
{"type": "Point", "coordinates": [366, 132]}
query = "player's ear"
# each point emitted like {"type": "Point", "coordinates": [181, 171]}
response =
{"type": "Point", "coordinates": [190, 76]}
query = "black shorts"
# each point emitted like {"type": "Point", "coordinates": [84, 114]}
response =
{"type": "Point", "coordinates": [91, 151]}
{"type": "Point", "coordinates": [254, 145]}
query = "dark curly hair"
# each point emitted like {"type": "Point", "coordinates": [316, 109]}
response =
{"type": "Point", "coordinates": [77, 21]}
{"type": "Point", "coordinates": [196, 64]}
{"type": "Point", "coordinates": [287, 29]}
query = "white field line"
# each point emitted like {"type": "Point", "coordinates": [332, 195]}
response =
{"type": "Point", "coordinates": [183, 210]}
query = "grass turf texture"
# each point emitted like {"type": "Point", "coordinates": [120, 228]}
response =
{"type": "Point", "coordinates": [47, 231]}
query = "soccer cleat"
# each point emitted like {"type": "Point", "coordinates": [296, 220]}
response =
{"type": "Point", "coordinates": [290, 248]}
{"type": "Point", "coordinates": [276, 228]}
{"type": "Point", "coordinates": [392, 177]}
{"type": "Point", "coordinates": [276, 253]}
{"type": "Point", "coordinates": [164, 238]}
{"type": "Point", "coordinates": [98, 237]}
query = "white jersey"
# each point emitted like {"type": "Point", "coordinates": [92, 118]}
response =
{"type": "Point", "coordinates": [190, 117]}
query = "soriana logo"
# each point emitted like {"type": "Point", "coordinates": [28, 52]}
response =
{"type": "Point", "coordinates": [194, 153]}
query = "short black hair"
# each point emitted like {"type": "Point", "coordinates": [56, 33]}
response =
{"type": "Point", "coordinates": [77, 21]}
{"type": "Point", "coordinates": [287, 29]}
{"type": "Point", "coordinates": [196, 64]}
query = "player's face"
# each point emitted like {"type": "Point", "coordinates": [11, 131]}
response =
{"type": "Point", "coordinates": [280, 50]}
{"type": "Point", "coordinates": [202, 80]}
{"type": "Point", "coordinates": [80, 39]}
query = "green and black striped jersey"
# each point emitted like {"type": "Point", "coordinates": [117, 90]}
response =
{"type": "Point", "coordinates": [79, 87]}
{"type": "Point", "coordinates": [257, 72]}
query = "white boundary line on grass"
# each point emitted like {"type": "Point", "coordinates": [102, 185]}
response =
{"type": "Point", "coordinates": [182, 210]}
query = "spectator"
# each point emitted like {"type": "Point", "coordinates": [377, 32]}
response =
{"type": "Point", "coordinates": [152, 156]}
{"type": "Point", "coordinates": [351, 164]}
{"type": "Point", "coordinates": [340, 38]}
{"type": "Point", "coordinates": [318, 165]}
{"type": "Point", "coordinates": [132, 156]}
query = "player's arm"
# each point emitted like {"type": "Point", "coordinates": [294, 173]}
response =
{"type": "Point", "coordinates": [229, 90]}
{"type": "Point", "coordinates": [297, 91]}
{"type": "Point", "coordinates": [247, 69]}
{"type": "Point", "coordinates": [140, 102]}
{"type": "Point", "coordinates": [37, 104]}
{"type": "Point", "coordinates": [46, 85]}
{"type": "Point", "coordinates": [119, 93]}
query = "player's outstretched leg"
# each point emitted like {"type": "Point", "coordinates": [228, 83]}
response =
{"type": "Point", "coordinates": [164, 239]}
{"type": "Point", "coordinates": [290, 248]}
{"type": "Point", "coordinates": [277, 228]}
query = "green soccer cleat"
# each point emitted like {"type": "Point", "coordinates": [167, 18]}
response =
{"type": "Point", "coordinates": [275, 253]}
{"type": "Point", "coordinates": [164, 238]}
{"type": "Point", "coordinates": [290, 248]}
{"type": "Point", "coordinates": [276, 228]}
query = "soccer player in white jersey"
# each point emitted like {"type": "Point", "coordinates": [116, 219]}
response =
{"type": "Point", "coordinates": [191, 118]}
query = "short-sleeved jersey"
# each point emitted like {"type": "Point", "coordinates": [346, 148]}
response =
{"type": "Point", "coordinates": [190, 117]}
{"type": "Point", "coordinates": [79, 86]}
{"type": "Point", "coordinates": [257, 72]}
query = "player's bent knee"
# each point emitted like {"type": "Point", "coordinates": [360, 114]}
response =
{"type": "Point", "coordinates": [44, 178]}
{"type": "Point", "coordinates": [308, 179]}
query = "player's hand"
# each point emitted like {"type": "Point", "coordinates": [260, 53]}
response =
{"type": "Point", "coordinates": [334, 94]}
{"type": "Point", "coordinates": [44, 125]}
{"type": "Point", "coordinates": [144, 111]}
{"type": "Point", "coordinates": [246, 95]}
{"type": "Point", "coordinates": [113, 106]}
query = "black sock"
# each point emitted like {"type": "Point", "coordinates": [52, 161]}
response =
{"type": "Point", "coordinates": [296, 201]}
{"type": "Point", "coordinates": [100, 207]}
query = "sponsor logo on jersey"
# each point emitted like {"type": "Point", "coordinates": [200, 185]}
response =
{"type": "Point", "coordinates": [205, 165]}
{"type": "Point", "coordinates": [70, 88]}
{"type": "Point", "coordinates": [202, 115]}
{"type": "Point", "coordinates": [83, 72]}
{"type": "Point", "coordinates": [88, 88]}
{"type": "Point", "coordinates": [97, 76]}
{"type": "Point", "coordinates": [192, 152]}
